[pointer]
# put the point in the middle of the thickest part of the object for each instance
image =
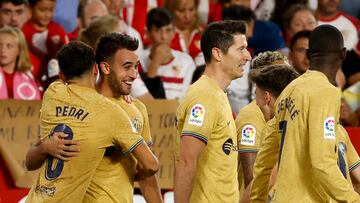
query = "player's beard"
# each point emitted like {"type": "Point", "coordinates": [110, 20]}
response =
{"type": "Point", "coordinates": [117, 86]}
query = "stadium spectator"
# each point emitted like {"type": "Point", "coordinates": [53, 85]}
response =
{"type": "Point", "coordinates": [161, 64]}
{"type": "Point", "coordinates": [16, 79]}
{"type": "Point", "coordinates": [115, 8]}
{"type": "Point", "coordinates": [328, 12]}
{"type": "Point", "coordinates": [14, 13]}
{"type": "Point", "coordinates": [297, 18]}
{"type": "Point", "coordinates": [187, 29]}
{"type": "Point", "coordinates": [44, 38]}
{"type": "Point", "coordinates": [257, 41]}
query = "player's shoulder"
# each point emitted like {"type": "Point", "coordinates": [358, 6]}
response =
{"type": "Point", "coordinates": [251, 108]}
{"type": "Point", "coordinates": [250, 115]}
{"type": "Point", "coordinates": [139, 105]}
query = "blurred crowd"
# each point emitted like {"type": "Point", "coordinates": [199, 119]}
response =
{"type": "Point", "coordinates": [169, 32]}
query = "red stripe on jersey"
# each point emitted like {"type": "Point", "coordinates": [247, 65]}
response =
{"type": "Point", "coordinates": [172, 79]}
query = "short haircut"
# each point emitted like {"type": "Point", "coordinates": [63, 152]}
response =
{"type": "Point", "coordinates": [75, 59]}
{"type": "Point", "coordinates": [110, 43]}
{"type": "Point", "coordinates": [325, 39]}
{"type": "Point", "coordinates": [32, 3]}
{"type": "Point", "coordinates": [273, 78]}
{"type": "Point", "coordinates": [238, 13]}
{"type": "Point", "coordinates": [297, 36]}
{"type": "Point", "coordinates": [15, 2]}
{"type": "Point", "coordinates": [158, 17]}
{"type": "Point", "coordinates": [290, 13]}
{"type": "Point", "coordinates": [220, 35]}
{"type": "Point", "coordinates": [267, 58]}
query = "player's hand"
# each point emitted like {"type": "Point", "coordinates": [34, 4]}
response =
{"type": "Point", "coordinates": [128, 98]}
{"type": "Point", "coordinates": [139, 173]}
{"type": "Point", "coordinates": [60, 148]}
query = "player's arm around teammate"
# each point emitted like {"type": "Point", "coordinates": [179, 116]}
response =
{"type": "Point", "coordinates": [55, 146]}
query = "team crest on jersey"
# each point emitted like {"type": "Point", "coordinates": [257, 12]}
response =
{"type": "Point", "coordinates": [329, 128]}
{"type": "Point", "coordinates": [133, 128]}
{"type": "Point", "coordinates": [137, 124]}
{"type": "Point", "coordinates": [248, 135]}
{"type": "Point", "coordinates": [197, 115]}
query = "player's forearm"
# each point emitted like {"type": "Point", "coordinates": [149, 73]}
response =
{"type": "Point", "coordinates": [150, 189]}
{"type": "Point", "coordinates": [35, 156]}
{"type": "Point", "coordinates": [184, 181]}
{"type": "Point", "coordinates": [247, 163]}
{"type": "Point", "coordinates": [355, 178]}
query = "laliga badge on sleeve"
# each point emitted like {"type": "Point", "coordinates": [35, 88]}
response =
{"type": "Point", "coordinates": [248, 135]}
{"type": "Point", "coordinates": [197, 114]}
{"type": "Point", "coordinates": [329, 128]}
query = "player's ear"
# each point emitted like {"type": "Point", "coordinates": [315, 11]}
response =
{"type": "Point", "coordinates": [216, 54]}
{"type": "Point", "coordinates": [267, 97]}
{"type": "Point", "coordinates": [343, 54]}
{"type": "Point", "coordinates": [105, 68]}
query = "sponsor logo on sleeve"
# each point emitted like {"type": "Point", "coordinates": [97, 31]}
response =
{"type": "Point", "coordinates": [329, 128]}
{"type": "Point", "coordinates": [197, 115]}
{"type": "Point", "coordinates": [248, 135]}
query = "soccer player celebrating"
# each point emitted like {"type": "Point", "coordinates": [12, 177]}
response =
{"type": "Point", "coordinates": [205, 145]}
{"type": "Point", "coordinates": [114, 177]}
{"type": "Point", "coordinates": [307, 115]}
{"type": "Point", "coordinates": [251, 121]}
{"type": "Point", "coordinates": [78, 108]}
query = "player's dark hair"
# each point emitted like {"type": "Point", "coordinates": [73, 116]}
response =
{"type": "Point", "coordinates": [325, 39]}
{"type": "Point", "coordinates": [273, 78]}
{"type": "Point", "coordinates": [15, 2]}
{"type": "Point", "coordinates": [220, 35]}
{"type": "Point", "coordinates": [297, 36]}
{"type": "Point", "coordinates": [238, 13]}
{"type": "Point", "coordinates": [32, 3]}
{"type": "Point", "coordinates": [158, 17]}
{"type": "Point", "coordinates": [75, 59]}
{"type": "Point", "coordinates": [110, 43]}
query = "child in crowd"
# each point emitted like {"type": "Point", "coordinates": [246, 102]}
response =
{"type": "Point", "coordinates": [44, 38]}
{"type": "Point", "coordinates": [16, 79]}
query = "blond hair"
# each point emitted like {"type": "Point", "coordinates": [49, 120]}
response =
{"type": "Point", "coordinates": [100, 26]}
{"type": "Point", "coordinates": [23, 63]}
{"type": "Point", "coordinates": [172, 5]}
